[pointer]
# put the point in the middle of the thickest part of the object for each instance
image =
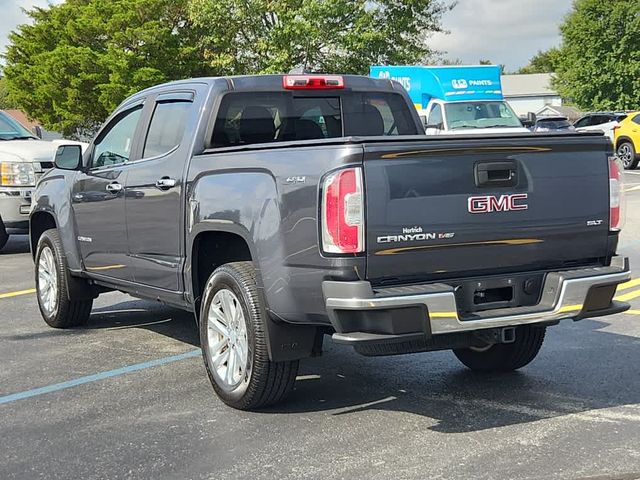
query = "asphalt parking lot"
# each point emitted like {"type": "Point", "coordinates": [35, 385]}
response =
{"type": "Point", "coordinates": [128, 397]}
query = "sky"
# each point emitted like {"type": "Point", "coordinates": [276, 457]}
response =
{"type": "Point", "coordinates": [507, 32]}
{"type": "Point", "coordinates": [13, 16]}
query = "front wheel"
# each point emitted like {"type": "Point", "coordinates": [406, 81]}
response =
{"type": "Point", "coordinates": [627, 153]}
{"type": "Point", "coordinates": [234, 343]}
{"type": "Point", "coordinates": [505, 357]}
{"type": "Point", "coordinates": [56, 299]}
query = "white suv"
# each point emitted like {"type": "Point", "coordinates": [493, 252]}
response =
{"type": "Point", "coordinates": [600, 121]}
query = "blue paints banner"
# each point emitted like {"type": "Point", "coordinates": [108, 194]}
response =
{"type": "Point", "coordinates": [453, 83]}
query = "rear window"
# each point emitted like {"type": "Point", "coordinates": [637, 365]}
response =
{"type": "Point", "coordinates": [265, 117]}
{"type": "Point", "coordinates": [554, 123]}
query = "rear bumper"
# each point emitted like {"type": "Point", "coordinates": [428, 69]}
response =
{"type": "Point", "coordinates": [360, 314]}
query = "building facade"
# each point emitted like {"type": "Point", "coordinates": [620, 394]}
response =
{"type": "Point", "coordinates": [530, 93]}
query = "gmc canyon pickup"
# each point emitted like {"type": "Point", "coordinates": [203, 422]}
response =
{"type": "Point", "coordinates": [279, 209]}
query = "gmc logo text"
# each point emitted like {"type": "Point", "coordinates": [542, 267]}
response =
{"type": "Point", "coordinates": [503, 203]}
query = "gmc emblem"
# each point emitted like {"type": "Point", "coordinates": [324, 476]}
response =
{"type": "Point", "coordinates": [503, 203]}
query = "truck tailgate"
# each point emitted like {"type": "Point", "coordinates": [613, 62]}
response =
{"type": "Point", "coordinates": [461, 207]}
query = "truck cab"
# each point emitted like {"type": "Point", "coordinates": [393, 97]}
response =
{"type": "Point", "coordinates": [457, 99]}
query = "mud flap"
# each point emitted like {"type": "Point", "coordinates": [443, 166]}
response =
{"type": "Point", "coordinates": [288, 342]}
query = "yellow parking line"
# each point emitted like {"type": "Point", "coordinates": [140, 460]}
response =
{"type": "Point", "coordinates": [18, 293]}
{"type": "Point", "coordinates": [628, 296]}
{"type": "Point", "coordinates": [571, 308]}
{"type": "Point", "coordinates": [629, 284]}
{"type": "Point", "coordinates": [633, 312]}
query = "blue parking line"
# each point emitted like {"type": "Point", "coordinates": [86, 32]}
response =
{"type": "Point", "coordinates": [96, 377]}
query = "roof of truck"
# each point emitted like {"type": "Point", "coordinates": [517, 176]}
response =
{"type": "Point", "coordinates": [275, 81]}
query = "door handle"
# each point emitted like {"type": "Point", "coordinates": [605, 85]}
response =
{"type": "Point", "coordinates": [114, 187]}
{"type": "Point", "coordinates": [165, 183]}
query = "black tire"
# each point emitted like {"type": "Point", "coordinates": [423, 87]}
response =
{"type": "Point", "coordinates": [67, 312]}
{"type": "Point", "coordinates": [505, 357]}
{"type": "Point", "coordinates": [4, 236]}
{"type": "Point", "coordinates": [627, 153]}
{"type": "Point", "coordinates": [262, 382]}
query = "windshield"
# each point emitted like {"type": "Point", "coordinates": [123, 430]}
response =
{"type": "Point", "coordinates": [462, 115]}
{"type": "Point", "coordinates": [11, 129]}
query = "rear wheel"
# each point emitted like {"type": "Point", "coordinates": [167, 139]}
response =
{"type": "Point", "coordinates": [56, 300]}
{"type": "Point", "coordinates": [627, 153]}
{"type": "Point", "coordinates": [505, 357]}
{"type": "Point", "coordinates": [234, 343]}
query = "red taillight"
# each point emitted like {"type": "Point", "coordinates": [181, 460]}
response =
{"type": "Point", "coordinates": [343, 212]}
{"type": "Point", "coordinates": [312, 82]}
{"type": "Point", "coordinates": [616, 195]}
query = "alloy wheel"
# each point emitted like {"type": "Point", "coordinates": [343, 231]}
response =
{"type": "Point", "coordinates": [625, 154]}
{"type": "Point", "coordinates": [47, 281]}
{"type": "Point", "coordinates": [227, 341]}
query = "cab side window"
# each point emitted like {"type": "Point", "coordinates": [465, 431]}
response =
{"type": "Point", "coordinates": [435, 117]}
{"type": "Point", "coordinates": [583, 122]}
{"type": "Point", "coordinates": [114, 146]}
{"type": "Point", "coordinates": [167, 127]}
{"type": "Point", "coordinates": [636, 119]}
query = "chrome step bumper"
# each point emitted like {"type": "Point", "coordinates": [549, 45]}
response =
{"type": "Point", "coordinates": [566, 294]}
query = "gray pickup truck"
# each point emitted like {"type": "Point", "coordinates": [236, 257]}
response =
{"type": "Point", "coordinates": [279, 209]}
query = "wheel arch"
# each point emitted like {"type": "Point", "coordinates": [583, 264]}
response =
{"type": "Point", "coordinates": [39, 222]}
{"type": "Point", "coordinates": [225, 246]}
{"type": "Point", "coordinates": [285, 341]}
{"type": "Point", "coordinates": [624, 138]}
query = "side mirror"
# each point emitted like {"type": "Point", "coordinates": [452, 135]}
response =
{"type": "Point", "coordinates": [37, 131]}
{"type": "Point", "coordinates": [68, 157]}
{"type": "Point", "coordinates": [532, 118]}
{"type": "Point", "coordinates": [529, 120]}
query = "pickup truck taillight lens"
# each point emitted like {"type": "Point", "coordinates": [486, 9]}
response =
{"type": "Point", "coordinates": [343, 212]}
{"type": "Point", "coordinates": [616, 195]}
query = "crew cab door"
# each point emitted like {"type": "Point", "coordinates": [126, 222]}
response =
{"type": "Point", "coordinates": [98, 198]}
{"type": "Point", "coordinates": [155, 191]}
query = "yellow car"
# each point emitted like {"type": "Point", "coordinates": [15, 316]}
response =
{"type": "Point", "coordinates": [627, 140]}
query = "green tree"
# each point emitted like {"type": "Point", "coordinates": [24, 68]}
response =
{"type": "Point", "coordinates": [5, 102]}
{"type": "Point", "coordinates": [543, 62]}
{"type": "Point", "coordinates": [345, 36]}
{"type": "Point", "coordinates": [599, 63]}
{"type": "Point", "coordinates": [78, 60]}
{"type": "Point", "coordinates": [484, 61]}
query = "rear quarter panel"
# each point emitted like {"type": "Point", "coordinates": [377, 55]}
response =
{"type": "Point", "coordinates": [270, 197]}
